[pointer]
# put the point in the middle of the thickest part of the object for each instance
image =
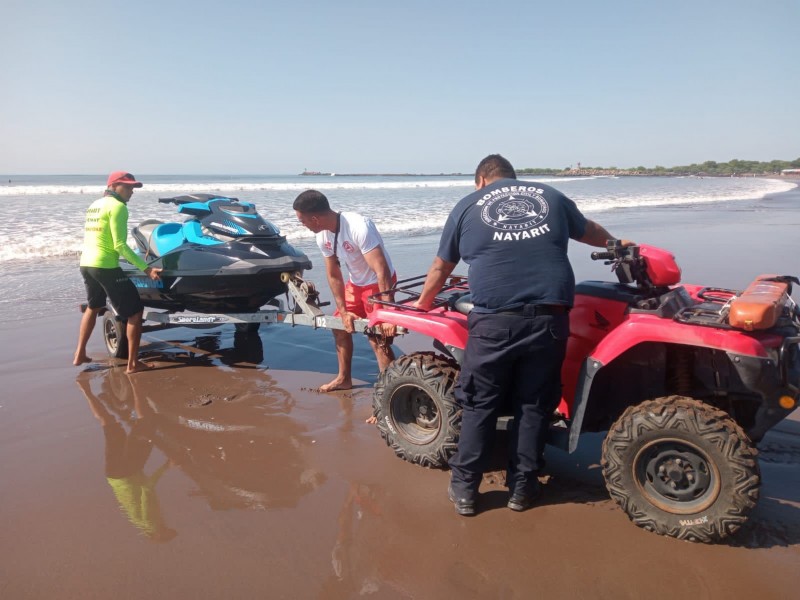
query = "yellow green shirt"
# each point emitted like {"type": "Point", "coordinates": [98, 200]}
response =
{"type": "Point", "coordinates": [105, 235]}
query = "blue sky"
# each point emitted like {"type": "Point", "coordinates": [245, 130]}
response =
{"type": "Point", "coordinates": [174, 86]}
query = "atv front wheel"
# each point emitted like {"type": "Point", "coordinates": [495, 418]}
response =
{"type": "Point", "coordinates": [416, 410]}
{"type": "Point", "coordinates": [115, 335]}
{"type": "Point", "coordinates": [681, 468]}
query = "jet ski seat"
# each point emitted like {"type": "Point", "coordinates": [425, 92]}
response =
{"type": "Point", "coordinates": [143, 233]}
{"type": "Point", "coordinates": [161, 237]}
{"type": "Point", "coordinates": [193, 231]}
{"type": "Point", "coordinates": [156, 238]}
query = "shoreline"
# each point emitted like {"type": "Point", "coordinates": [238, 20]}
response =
{"type": "Point", "coordinates": [566, 173]}
{"type": "Point", "coordinates": [321, 174]}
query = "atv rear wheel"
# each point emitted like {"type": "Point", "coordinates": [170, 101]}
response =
{"type": "Point", "coordinates": [416, 410]}
{"type": "Point", "coordinates": [681, 468]}
{"type": "Point", "coordinates": [115, 335]}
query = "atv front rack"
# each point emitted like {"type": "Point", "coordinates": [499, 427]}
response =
{"type": "Point", "coordinates": [712, 311]}
{"type": "Point", "coordinates": [722, 308]}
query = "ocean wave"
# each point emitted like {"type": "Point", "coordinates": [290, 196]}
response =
{"type": "Point", "coordinates": [33, 229]}
{"type": "Point", "coordinates": [266, 186]}
{"type": "Point", "coordinates": [29, 252]}
{"type": "Point", "coordinates": [612, 202]}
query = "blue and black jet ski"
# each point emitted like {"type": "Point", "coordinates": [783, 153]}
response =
{"type": "Point", "coordinates": [224, 257]}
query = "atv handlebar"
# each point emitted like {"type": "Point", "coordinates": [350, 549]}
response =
{"type": "Point", "coordinates": [616, 251]}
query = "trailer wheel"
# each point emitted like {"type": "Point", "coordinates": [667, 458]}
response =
{"type": "Point", "coordinates": [115, 335]}
{"type": "Point", "coordinates": [681, 468]}
{"type": "Point", "coordinates": [247, 327]}
{"type": "Point", "coordinates": [416, 410]}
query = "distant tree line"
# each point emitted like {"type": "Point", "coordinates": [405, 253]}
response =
{"type": "Point", "coordinates": [710, 168]}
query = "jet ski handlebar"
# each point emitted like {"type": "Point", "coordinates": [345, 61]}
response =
{"type": "Point", "coordinates": [188, 199]}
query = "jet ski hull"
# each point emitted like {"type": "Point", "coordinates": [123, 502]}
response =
{"type": "Point", "coordinates": [224, 258]}
{"type": "Point", "coordinates": [212, 280]}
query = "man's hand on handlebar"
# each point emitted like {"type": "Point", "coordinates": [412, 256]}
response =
{"type": "Point", "coordinates": [616, 249]}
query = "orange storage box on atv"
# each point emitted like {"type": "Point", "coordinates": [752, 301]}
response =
{"type": "Point", "coordinates": [760, 305]}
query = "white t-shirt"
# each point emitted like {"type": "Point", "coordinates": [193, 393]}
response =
{"type": "Point", "coordinates": [357, 236]}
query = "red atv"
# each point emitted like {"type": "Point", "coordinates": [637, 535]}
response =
{"type": "Point", "coordinates": [685, 379]}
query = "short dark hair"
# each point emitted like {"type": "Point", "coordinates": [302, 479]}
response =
{"type": "Point", "coordinates": [493, 167]}
{"type": "Point", "coordinates": [311, 201]}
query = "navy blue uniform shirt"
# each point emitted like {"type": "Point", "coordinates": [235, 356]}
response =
{"type": "Point", "coordinates": [514, 235]}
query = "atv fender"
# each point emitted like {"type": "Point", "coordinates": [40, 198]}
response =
{"type": "Point", "coordinates": [449, 328]}
{"type": "Point", "coordinates": [647, 328]}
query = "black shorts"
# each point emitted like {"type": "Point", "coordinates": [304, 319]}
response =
{"type": "Point", "coordinates": [114, 285]}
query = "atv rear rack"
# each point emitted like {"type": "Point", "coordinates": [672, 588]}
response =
{"type": "Point", "coordinates": [407, 291]}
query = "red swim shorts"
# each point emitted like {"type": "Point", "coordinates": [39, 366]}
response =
{"type": "Point", "coordinates": [356, 298]}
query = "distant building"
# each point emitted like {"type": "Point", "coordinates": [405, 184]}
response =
{"type": "Point", "coordinates": [790, 171]}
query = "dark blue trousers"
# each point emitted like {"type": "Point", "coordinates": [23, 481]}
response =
{"type": "Point", "coordinates": [516, 357]}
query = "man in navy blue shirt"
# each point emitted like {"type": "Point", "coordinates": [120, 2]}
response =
{"type": "Point", "coordinates": [514, 236]}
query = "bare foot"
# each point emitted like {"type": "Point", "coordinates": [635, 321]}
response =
{"type": "Point", "coordinates": [81, 359]}
{"type": "Point", "coordinates": [337, 384]}
{"type": "Point", "coordinates": [371, 420]}
{"type": "Point", "coordinates": [138, 368]}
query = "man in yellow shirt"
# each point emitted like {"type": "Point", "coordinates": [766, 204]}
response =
{"type": "Point", "coordinates": [104, 241]}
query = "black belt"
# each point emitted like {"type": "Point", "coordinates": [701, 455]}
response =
{"type": "Point", "coordinates": [537, 310]}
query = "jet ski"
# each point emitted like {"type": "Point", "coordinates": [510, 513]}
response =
{"type": "Point", "coordinates": [224, 257]}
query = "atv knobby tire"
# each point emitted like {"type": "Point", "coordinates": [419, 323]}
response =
{"type": "Point", "coordinates": [115, 335]}
{"type": "Point", "coordinates": [416, 410]}
{"type": "Point", "coordinates": [681, 468]}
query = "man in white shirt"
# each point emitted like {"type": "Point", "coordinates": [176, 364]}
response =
{"type": "Point", "coordinates": [354, 239]}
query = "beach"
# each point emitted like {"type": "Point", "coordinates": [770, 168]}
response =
{"type": "Point", "coordinates": [222, 473]}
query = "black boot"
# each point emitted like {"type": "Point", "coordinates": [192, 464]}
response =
{"type": "Point", "coordinates": [524, 495]}
{"type": "Point", "coordinates": [465, 504]}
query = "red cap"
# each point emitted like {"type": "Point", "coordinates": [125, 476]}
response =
{"type": "Point", "coordinates": [123, 177]}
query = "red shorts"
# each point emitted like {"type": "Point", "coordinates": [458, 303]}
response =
{"type": "Point", "coordinates": [356, 298]}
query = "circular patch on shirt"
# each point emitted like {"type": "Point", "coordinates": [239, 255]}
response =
{"type": "Point", "coordinates": [514, 210]}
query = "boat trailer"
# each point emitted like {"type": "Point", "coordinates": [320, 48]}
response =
{"type": "Point", "coordinates": [306, 311]}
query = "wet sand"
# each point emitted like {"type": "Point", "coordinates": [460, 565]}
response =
{"type": "Point", "coordinates": [222, 474]}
